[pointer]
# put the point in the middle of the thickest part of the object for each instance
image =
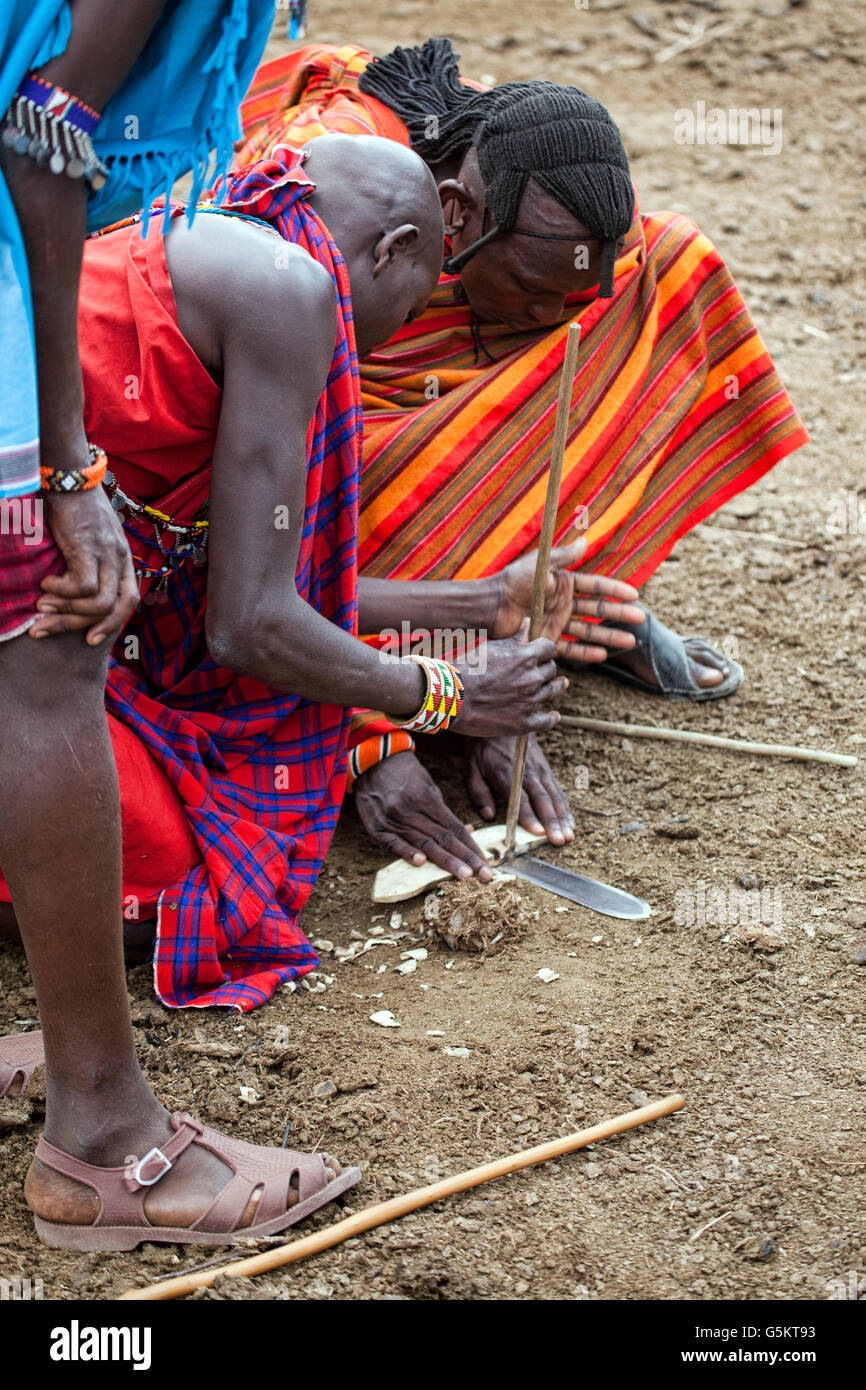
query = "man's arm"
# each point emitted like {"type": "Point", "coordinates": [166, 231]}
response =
{"type": "Point", "coordinates": [52, 212]}
{"type": "Point", "coordinates": [463, 604]}
{"type": "Point", "coordinates": [275, 325]}
{"type": "Point", "coordinates": [497, 604]}
{"type": "Point", "coordinates": [261, 316]}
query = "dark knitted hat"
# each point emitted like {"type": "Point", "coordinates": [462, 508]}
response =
{"type": "Point", "coordinates": [560, 137]}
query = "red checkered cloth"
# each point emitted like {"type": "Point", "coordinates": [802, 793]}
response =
{"type": "Point", "coordinates": [27, 555]}
{"type": "Point", "coordinates": [259, 772]}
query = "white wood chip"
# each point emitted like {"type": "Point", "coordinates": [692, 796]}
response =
{"type": "Point", "coordinates": [384, 1018]}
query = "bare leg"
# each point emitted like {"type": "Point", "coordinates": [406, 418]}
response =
{"type": "Point", "coordinates": [60, 852]}
{"type": "Point", "coordinates": [137, 936]}
{"type": "Point", "coordinates": [61, 855]}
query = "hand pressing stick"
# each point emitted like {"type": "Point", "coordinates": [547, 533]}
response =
{"type": "Point", "coordinates": [400, 1206]}
{"type": "Point", "coordinates": [545, 544]}
{"type": "Point", "coordinates": [739, 745]}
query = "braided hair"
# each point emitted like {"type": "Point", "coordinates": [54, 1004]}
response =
{"type": "Point", "coordinates": [560, 137]}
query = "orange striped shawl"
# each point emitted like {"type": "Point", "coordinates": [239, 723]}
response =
{"type": "Point", "coordinates": [677, 405]}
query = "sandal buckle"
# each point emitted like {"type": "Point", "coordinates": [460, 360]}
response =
{"type": "Point", "coordinates": [151, 1154]}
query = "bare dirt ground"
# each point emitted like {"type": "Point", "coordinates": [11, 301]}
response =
{"type": "Point", "coordinates": [755, 1190]}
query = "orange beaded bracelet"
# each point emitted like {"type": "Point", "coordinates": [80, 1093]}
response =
{"type": "Point", "coordinates": [77, 479]}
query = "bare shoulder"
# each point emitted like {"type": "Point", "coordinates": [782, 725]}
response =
{"type": "Point", "coordinates": [236, 279]}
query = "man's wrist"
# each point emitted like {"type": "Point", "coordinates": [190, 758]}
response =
{"type": "Point", "coordinates": [63, 445]}
{"type": "Point", "coordinates": [412, 693]}
{"type": "Point", "coordinates": [492, 597]}
{"type": "Point", "coordinates": [372, 752]}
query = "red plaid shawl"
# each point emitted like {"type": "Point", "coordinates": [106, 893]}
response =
{"type": "Point", "coordinates": [261, 773]}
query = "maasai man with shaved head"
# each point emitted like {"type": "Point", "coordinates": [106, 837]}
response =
{"type": "Point", "coordinates": [220, 363]}
{"type": "Point", "coordinates": [676, 408]}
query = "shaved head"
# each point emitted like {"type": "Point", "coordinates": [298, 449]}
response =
{"type": "Point", "coordinates": [380, 203]}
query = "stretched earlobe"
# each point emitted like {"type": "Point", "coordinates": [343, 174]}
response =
{"type": "Point", "coordinates": [381, 255]}
{"type": "Point", "coordinates": [456, 201]}
{"type": "Point", "coordinates": [398, 240]}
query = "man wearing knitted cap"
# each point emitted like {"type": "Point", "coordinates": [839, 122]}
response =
{"type": "Point", "coordinates": [676, 407]}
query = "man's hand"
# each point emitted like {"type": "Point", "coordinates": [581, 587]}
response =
{"type": "Point", "coordinates": [571, 596]}
{"type": "Point", "coordinates": [506, 687]}
{"type": "Point", "coordinates": [99, 589]}
{"type": "Point", "coordinates": [403, 810]}
{"type": "Point", "coordinates": [544, 808]}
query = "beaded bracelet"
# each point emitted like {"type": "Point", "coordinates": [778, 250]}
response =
{"type": "Point", "coordinates": [374, 750]}
{"type": "Point", "coordinates": [76, 479]}
{"type": "Point", "coordinates": [443, 700]}
{"type": "Point", "coordinates": [54, 128]}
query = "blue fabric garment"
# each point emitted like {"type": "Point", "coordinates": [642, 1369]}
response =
{"type": "Point", "coordinates": [31, 32]}
{"type": "Point", "coordinates": [177, 105]}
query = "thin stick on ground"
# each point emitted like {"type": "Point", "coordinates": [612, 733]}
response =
{"type": "Point", "coordinates": [383, 1212]}
{"type": "Point", "coordinates": [738, 745]}
{"type": "Point", "coordinates": [545, 544]}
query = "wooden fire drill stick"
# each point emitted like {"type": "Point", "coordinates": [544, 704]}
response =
{"type": "Point", "coordinates": [545, 544]}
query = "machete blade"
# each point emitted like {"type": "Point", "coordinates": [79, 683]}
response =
{"type": "Point", "coordinates": [599, 897]}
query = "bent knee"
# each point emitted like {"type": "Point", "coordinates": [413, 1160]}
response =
{"type": "Point", "coordinates": [51, 674]}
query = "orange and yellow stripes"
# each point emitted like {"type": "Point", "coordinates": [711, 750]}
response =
{"type": "Point", "coordinates": [677, 405]}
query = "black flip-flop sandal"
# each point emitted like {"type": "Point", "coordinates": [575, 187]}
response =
{"type": "Point", "coordinates": [665, 651]}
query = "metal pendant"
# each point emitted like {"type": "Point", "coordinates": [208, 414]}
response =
{"type": "Point", "coordinates": [57, 163]}
{"type": "Point", "coordinates": [118, 505]}
{"type": "Point", "coordinates": [22, 144]}
{"type": "Point", "coordinates": [96, 180]}
{"type": "Point", "coordinates": [199, 555]}
{"type": "Point", "coordinates": [11, 135]}
{"type": "Point", "coordinates": [75, 168]}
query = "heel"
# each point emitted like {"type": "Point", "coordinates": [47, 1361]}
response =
{"type": "Point", "coordinates": [61, 1236]}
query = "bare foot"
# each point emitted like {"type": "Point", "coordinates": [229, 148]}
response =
{"type": "Point", "coordinates": [632, 651]}
{"type": "Point", "coordinates": [708, 667]}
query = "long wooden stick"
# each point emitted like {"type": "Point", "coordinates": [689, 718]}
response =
{"type": "Point", "coordinates": [740, 745]}
{"type": "Point", "coordinates": [545, 544]}
{"type": "Point", "coordinates": [399, 1206]}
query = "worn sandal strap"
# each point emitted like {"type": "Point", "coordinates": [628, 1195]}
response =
{"type": "Point", "coordinates": [146, 1171]}
{"type": "Point", "coordinates": [20, 1055]}
{"type": "Point", "coordinates": [665, 651]}
{"type": "Point", "coordinates": [271, 1173]}
{"type": "Point", "coordinates": [121, 1191]}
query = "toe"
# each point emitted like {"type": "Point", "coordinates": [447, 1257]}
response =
{"type": "Point", "coordinates": [708, 666]}
{"type": "Point", "coordinates": [706, 676]}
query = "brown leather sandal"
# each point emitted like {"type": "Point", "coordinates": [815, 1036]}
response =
{"type": "Point", "coordinates": [20, 1055]}
{"type": "Point", "coordinates": [122, 1223]}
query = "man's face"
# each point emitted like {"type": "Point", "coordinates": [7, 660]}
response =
{"type": "Point", "coordinates": [400, 293]}
{"type": "Point", "coordinates": [392, 282]}
{"type": "Point", "coordinates": [522, 281]}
